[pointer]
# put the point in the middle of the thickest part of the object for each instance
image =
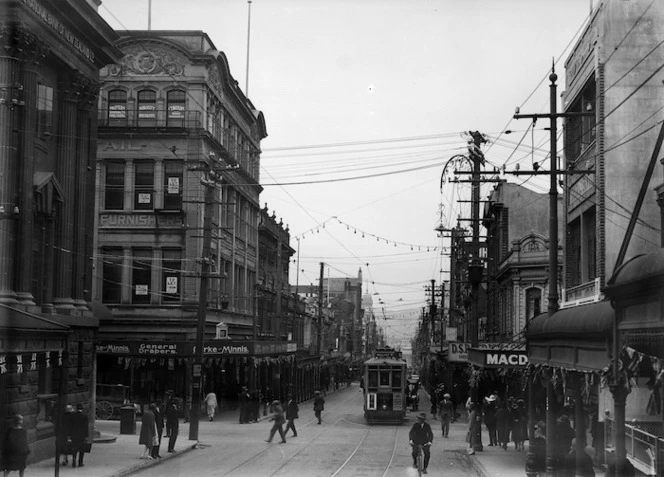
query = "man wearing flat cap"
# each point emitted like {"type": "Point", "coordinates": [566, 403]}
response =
{"type": "Point", "coordinates": [279, 421]}
{"type": "Point", "coordinates": [421, 435]}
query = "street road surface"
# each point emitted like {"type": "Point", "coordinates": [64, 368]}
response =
{"type": "Point", "coordinates": [343, 446]}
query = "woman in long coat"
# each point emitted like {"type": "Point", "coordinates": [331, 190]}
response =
{"type": "Point", "coordinates": [503, 424]}
{"type": "Point", "coordinates": [148, 432]}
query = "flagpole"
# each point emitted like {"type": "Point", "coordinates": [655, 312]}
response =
{"type": "Point", "coordinates": [246, 85]}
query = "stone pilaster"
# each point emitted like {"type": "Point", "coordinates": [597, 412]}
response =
{"type": "Point", "coordinates": [9, 75]}
{"type": "Point", "coordinates": [66, 174]}
{"type": "Point", "coordinates": [33, 52]}
{"type": "Point", "coordinates": [85, 184]}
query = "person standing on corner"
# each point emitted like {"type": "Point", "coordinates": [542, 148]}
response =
{"type": "Point", "coordinates": [172, 422]}
{"type": "Point", "coordinates": [291, 414]}
{"type": "Point", "coordinates": [490, 419]}
{"type": "Point", "coordinates": [319, 405]}
{"type": "Point", "coordinates": [16, 449]}
{"type": "Point", "coordinates": [79, 433]}
{"type": "Point", "coordinates": [148, 432]}
{"type": "Point", "coordinates": [64, 433]}
{"type": "Point", "coordinates": [473, 422]}
{"type": "Point", "coordinates": [211, 405]}
{"type": "Point", "coordinates": [159, 423]}
{"type": "Point", "coordinates": [279, 420]}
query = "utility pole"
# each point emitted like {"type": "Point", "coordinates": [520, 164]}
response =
{"type": "Point", "coordinates": [197, 374]}
{"type": "Point", "coordinates": [475, 266]}
{"type": "Point", "coordinates": [320, 309]}
{"type": "Point", "coordinates": [552, 307]}
{"type": "Point", "coordinates": [209, 183]}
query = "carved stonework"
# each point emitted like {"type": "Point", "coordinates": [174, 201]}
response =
{"type": "Point", "coordinates": [531, 247]}
{"type": "Point", "coordinates": [21, 43]}
{"type": "Point", "coordinates": [214, 77]}
{"type": "Point", "coordinates": [148, 60]}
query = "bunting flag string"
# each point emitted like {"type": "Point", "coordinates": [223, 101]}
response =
{"type": "Point", "coordinates": [48, 360]}
{"type": "Point", "coordinates": [33, 362]}
{"type": "Point", "coordinates": [364, 234]}
{"type": "Point", "coordinates": [3, 364]}
{"type": "Point", "coordinates": [19, 363]}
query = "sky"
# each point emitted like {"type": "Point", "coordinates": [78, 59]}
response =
{"type": "Point", "coordinates": [367, 106]}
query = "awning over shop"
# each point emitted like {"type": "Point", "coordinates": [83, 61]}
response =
{"type": "Point", "coordinates": [575, 338]}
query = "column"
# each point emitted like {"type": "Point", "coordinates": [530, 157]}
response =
{"type": "Point", "coordinates": [9, 73]}
{"type": "Point", "coordinates": [24, 289]}
{"type": "Point", "coordinates": [66, 175]}
{"type": "Point", "coordinates": [550, 426]}
{"type": "Point", "coordinates": [531, 459]}
{"type": "Point", "coordinates": [85, 192]}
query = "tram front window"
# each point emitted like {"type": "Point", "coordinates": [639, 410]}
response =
{"type": "Point", "coordinates": [396, 379]}
{"type": "Point", "coordinates": [384, 378]}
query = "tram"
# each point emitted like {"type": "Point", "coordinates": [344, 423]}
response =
{"type": "Point", "coordinates": [385, 387]}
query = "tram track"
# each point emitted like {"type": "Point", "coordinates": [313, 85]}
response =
{"type": "Point", "coordinates": [238, 469]}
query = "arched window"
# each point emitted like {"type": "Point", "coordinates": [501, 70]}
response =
{"type": "Point", "coordinates": [175, 108]}
{"type": "Point", "coordinates": [117, 107]}
{"type": "Point", "coordinates": [147, 108]}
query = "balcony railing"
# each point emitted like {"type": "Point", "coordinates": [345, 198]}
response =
{"type": "Point", "coordinates": [589, 292]}
{"type": "Point", "coordinates": [154, 118]}
{"type": "Point", "coordinates": [644, 443]}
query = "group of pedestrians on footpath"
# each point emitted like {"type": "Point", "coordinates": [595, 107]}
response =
{"type": "Point", "coordinates": [152, 426]}
{"type": "Point", "coordinates": [73, 435]}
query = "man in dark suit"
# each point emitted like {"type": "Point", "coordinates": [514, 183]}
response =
{"type": "Point", "coordinates": [421, 435]}
{"type": "Point", "coordinates": [79, 433]}
{"type": "Point", "coordinates": [172, 421]}
{"type": "Point", "coordinates": [291, 414]}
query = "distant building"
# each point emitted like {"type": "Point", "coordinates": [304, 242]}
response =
{"type": "Point", "coordinates": [517, 223]}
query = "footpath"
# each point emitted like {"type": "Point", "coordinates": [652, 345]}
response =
{"type": "Point", "coordinates": [492, 461]}
{"type": "Point", "coordinates": [118, 455]}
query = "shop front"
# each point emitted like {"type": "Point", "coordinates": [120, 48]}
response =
{"type": "Point", "coordinates": [568, 353]}
{"type": "Point", "coordinates": [636, 376]}
{"type": "Point", "coordinates": [151, 368]}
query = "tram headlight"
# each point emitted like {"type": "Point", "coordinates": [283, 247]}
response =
{"type": "Point", "coordinates": [384, 407]}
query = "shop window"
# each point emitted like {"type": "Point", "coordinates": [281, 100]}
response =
{"type": "Point", "coordinates": [114, 186]}
{"type": "Point", "coordinates": [147, 108]}
{"type": "Point", "coordinates": [112, 274]}
{"type": "Point", "coordinates": [141, 276]}
{"type": "Point", "coordinates": [44, 110]}
{"type": "Point", "coordinates": [117, 107]}
{"type": "Point", "coordinates": [171, 275]}
{"type": "Point", "coordinates": [143, 185]}
{"type": "Point", "coordinates": [175, 101]}
{"type": "Point", "coordinates": [173, 185]}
